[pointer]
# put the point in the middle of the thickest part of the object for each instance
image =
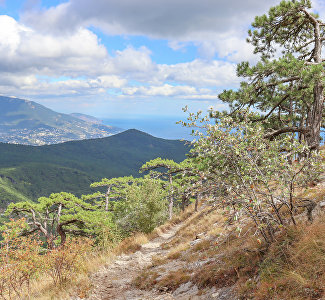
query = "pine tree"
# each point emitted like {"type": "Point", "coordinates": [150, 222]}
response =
{"type": "Point", "coordinates": [59, 215]}
{"type": "Point", "coordinates": [287, 91]}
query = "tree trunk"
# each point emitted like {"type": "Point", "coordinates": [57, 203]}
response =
{"type": "Point", "coordinates": [198, 196]}
{"type": "Point", "coordinates": [50, 241]}
{"type": "Point", "coordinates": [62, 235]}
{"type": "Point", "coordinates": [314, 119]}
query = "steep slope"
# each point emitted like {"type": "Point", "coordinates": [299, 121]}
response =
{"type": "Point", "coordinates": [27, 122]}
{"type": "Point", "coordinates": [38, 171]}
{"type": "Point", "coordinates": [171, 265]}
{"type": "Point", "coordinates": [86, 118]}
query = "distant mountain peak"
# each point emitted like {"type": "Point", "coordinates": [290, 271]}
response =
{"type": "Point", "coordinates": [30, 123]}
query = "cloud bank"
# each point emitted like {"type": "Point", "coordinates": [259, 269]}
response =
{"type": "Point", "coordinates": [55, 52]}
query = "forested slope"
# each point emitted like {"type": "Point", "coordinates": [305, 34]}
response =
{"type": "Point", "coordinates": [29, 171]}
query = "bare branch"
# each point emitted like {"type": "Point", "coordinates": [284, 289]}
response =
{"type": "Point", "coordinates": [285, 130]}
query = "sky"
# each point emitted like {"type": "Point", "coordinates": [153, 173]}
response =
{"type": "Point", "coordinates": [125, 58]}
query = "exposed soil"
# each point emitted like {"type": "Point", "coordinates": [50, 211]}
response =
{"type": "Point", "coordinates": [116, 280]}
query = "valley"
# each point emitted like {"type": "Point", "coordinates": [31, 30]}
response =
{"type": "Point", "coordinates": [29, 172]}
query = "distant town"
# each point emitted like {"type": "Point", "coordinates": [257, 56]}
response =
{"type": "Point", "coordinates": [47, 136]}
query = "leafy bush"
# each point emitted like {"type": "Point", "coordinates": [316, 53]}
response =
{"type": "Point", "coordinates": [252, 175]}
{"type": "Point", "coordinates": [143, 208]}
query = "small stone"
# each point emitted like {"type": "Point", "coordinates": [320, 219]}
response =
{"type": "Point", "coordinates": [322, 204]}
{"type": "Point", "coordinates": [195, 242]}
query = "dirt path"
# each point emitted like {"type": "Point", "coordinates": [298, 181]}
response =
{"type": "Point", "coordinates": [115, 280]}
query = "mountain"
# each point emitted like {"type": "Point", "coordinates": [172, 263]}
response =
{"type": "Point", "coordinates": [28, 172]}
{"type": "Point", "coordinates": [87, 118]}
{"type": "Point", "coordinates": [27, 122]}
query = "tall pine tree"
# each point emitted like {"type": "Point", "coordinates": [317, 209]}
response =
{"type": "Point", "coordinates": [286, 90]}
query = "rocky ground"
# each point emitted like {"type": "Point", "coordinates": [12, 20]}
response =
{"type": "Point", "coordinates": [116, 280]}
{"type": "Point", "coordinates": [171, 265]}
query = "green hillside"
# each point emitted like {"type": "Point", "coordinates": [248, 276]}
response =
{"type": "Point", "coordinates": [27, 122]}
{"type": "Point", "coordinates": [31, 172]}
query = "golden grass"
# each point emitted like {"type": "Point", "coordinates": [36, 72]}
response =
{"type": "Point", "coordinates": [177, 251]}
{"type": "Point", "coordinates": [293, 267]}
{"type": "Point", "coordinates": [200, 222]}
{"type": "Point", "coordinates": [43, 288]}
{"type": "Point", "coordinates": [146, 279]}
{"type": "Point", "coordinates": [80, 285]}
{"type": "Point", "coordinates": [174, 279]}
{"type": "Point", "coordinates": [205, 244]}
{"type": "Point", "coordinates": [131, 244]}
{"type": "Point", "coordinates": [158, 260]}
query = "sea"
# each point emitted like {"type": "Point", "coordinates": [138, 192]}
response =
{"type": "Point", "coordinates": [162, 127]}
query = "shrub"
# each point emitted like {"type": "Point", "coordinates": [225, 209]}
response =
{"type": "Point", "coordinates": [65, 261]}
{"type": "Point", "coordinates": [19, 259]}
{"type": "Point", "coordinates": [143, 207]}
{"type": "Point", "coordinates": [252, 175]}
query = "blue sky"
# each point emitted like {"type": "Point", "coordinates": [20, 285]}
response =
{"type": "Point", "coordinates": [126, 58]}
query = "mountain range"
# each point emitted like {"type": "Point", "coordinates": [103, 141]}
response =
{"type": "Point", "coordinates": [87, 118]}
{"type": "Point", "coordinates": [29, 123]}
{"type": "Point", "coordinates": [28, 172]}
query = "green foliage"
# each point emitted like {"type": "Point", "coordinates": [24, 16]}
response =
{"type": "Point", "coordinates": [287, 92]}
{"type": "Point", "coordinates": [60, 215]}
{"type": "Point", "coordinates": [143, 207]}
{"type": "Point", "coordinates": [31, 172]}
{"type": "Point", "coordinates": [164, 169]}
{"type": "Point", "coordinates": [255, 176]}
{"type": "Point", "coordinates": [113, 188]}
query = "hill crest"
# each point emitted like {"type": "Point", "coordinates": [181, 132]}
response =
{"type": "Point", "coordinates": [29, 123]}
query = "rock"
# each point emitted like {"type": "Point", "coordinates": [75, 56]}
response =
{"type": "Point", "coordinates": [186, 290]}
{"type": "Point", "coordinates": [322, 204]}
{"type": "Point", "coordinates": [200, 235]}
{"type": "Point", "coordinates": [195, 242]}
{"type": "Point", "coordinates": [225, 293]}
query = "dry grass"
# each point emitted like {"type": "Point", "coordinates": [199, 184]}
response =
{"type": "Point", "coordinates": [158, 260]}
{"type": "Point", "coordinates": [44, 289]}
{"type": "Point", "coordinates": [177, 251]}
{"type": "Point", "coordinates": [197, 223]}
{"type": "Point", "coordinates": [146, 280]}
{"type": "Point", "coordinates": [131, 244]}
{"type": "Point", "coordinates": [294, 267]}
{"type": "Point", "coordinates": [174, 279]}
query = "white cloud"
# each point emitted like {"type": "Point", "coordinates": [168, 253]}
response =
{"type": "Point", "coordinates": [160, 18]}
{"type": "Point", "coordinates": [130, 61]}
{"type": "Point", "coordinates": [54, 52]}
{"type": "Point", "coordinates": [168, 90]}
{"type": "Point", "coordinates": [212, 25]}
{"type": "Point", "coordinates": [200, 73]}
{"type": "Point", "coordinates": [75, 63]}
{"type": "Point", "coordinates": [25, 50]}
